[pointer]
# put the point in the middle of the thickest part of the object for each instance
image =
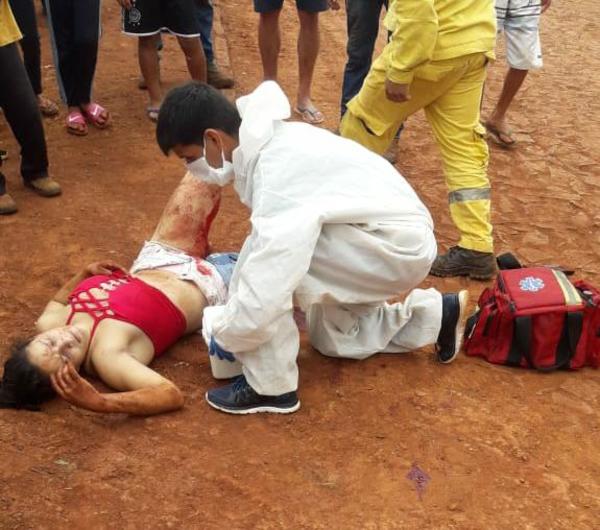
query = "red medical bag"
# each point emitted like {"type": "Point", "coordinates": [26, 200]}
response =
{"type": "Point", "coordinates": [535, 317]}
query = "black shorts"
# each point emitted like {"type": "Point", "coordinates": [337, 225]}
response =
{"type": "Point", "coordinates": [149, 17]}
{"type": "Point", "coordinates": [310, 6]}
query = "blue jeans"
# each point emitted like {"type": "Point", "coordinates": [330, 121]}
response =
{"type": "Point", "coordinates": [204, 15]}
{"type": "Point", "coordinates": [225, 263]}
{"type": "Point", "coordinates": [362, 18]}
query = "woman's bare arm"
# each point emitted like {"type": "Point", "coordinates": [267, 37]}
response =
{"type": "Point", "coordinates": [143, 391]}
{"type": "Point", "coordinates": [54, 313]}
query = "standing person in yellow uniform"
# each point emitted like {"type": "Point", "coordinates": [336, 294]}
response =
{"type": "Point", "coordinates": [22, 113]}
{"type": "Point", "coordinates": [436, 61]}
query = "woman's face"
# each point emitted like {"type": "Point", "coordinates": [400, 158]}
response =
{"type": "Point", "coordinates": [49, 351]}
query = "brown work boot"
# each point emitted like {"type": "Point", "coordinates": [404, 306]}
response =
{"type": "Point", "coordinates": [216, 78]}
{"type": "Point", "coordinates": [45, 186]}
{"type": "Point", "coordinates": [7, 204]}
{"type": "Point", "coordinates": [460, 261]}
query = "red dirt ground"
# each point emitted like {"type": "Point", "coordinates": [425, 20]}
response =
{"type": "Point", "coordinates": [504, 448]}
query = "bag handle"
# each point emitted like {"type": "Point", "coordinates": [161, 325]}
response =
{"type": "Point", "coordinates": [565, 350]}
{"type": "Point", "coordinates": [508, 261]}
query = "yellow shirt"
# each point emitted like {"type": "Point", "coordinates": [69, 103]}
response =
{"type": "Point", "coordinates": [9, 31]}
{"type": "Point", "coordinates": [436, 30]}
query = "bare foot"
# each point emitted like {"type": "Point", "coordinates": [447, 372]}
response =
{"type": "Point", "coordinates": [96, 114]}
{"type": "Point", "coordinates": [308, 112]}
{"type": "Point", "coordinates": [76, 122]}
{"type": "Point", "coordinates": [47, 107]}
{"type": "Point", "coordinates": [500, 132]}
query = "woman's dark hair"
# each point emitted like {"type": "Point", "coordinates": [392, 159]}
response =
{"type": "Point", "coordinates": [190, 109]}
{"type": "Point", "coordinates": [23, 386]}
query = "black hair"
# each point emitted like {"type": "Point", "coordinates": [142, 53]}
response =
{"type": "Point", "coordinates": [23, 386]}
{"type": "Point", "coordinates": [190, 109]}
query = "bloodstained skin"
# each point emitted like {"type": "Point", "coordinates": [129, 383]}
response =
{"type": "Point", "coordinates": [201, 244]}
{"type": "Point", "coordinates": [187, 218]}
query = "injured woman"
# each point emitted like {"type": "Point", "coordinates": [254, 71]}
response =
{"type": "Point", "coordinates": [111, 323]}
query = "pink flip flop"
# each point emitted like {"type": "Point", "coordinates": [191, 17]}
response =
{"type": "Point", "coordinates": [93, 114]}
{"type": "Point", "coordinates": [76, 118]}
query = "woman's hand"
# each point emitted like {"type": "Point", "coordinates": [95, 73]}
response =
{"type": "Point", "coordinates": [334, 5]}
{"type": "Point", "coordinates": [103, 267]}
{"type": "Point", "coordinates": [73, 388]}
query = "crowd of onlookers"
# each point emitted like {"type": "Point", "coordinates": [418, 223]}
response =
{"type": "Point", "coordinates": [74, 29]}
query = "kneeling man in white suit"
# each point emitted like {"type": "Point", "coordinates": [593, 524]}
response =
{"type": "Point", "coordinates": [335, 229]}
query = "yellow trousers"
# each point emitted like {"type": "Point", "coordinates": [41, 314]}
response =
{"type": "Point", "coordinates": [450, 93]}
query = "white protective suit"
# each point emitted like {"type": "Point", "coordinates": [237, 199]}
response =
{"type": "Point", "coordinates": [336, 227]}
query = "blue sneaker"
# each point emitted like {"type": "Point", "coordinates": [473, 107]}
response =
{"type": "Point", "coordinates": [239, 397]}
{"type": "Point", "coordinates": [449, 342]}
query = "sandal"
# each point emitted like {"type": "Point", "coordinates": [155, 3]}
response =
{"type": "Point", "coordinates": [47, 107]}
{"type": "Point", "coordinates": [500, 136]}
{"type": "Point", "coordinates": [312, 115]}
{"type": "Point", "coordinates": [75, 119]}
{"type": "Point", "coordinates": [97, 115]}
{"type": "Point", "coordinates": [152, 113]}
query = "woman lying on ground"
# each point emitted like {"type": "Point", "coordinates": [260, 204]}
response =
{"type": "Point", "coordinates": [112, 324]}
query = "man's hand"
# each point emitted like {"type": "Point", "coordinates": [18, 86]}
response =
{"type": "Point", "coordinates": [545, 5]}
{"type": "Point", "coordinates": [334, 5]}
{"type": "Point", "coordinates": [73, 388]}
{"type": "Point", "coordinates": [397, 92]}
{"type": "Point", "coordinates": [103, 267]}
{"type": "Point", "coordinates": [126, 4]}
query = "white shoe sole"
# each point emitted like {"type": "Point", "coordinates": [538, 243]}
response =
{"type": "Point", "coordinates": [463, 302]}
{"type": "Point", "coordinates": [254, 410]}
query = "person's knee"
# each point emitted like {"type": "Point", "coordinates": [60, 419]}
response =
{"type": "Point", "coordinates": [270, 19]}
{"type": "Point", "coordinates": [353, 128]}
{"type": "Point", "coordinates": [359, 51]}
{"type": "Point", "coordinates": [189, 45]}
{"type": "Point", "coordinates": [86, 37]}
{"type": "Point", "coordinates": [147, 43]}
{"type": "Point", "coordinates": [308, 21]}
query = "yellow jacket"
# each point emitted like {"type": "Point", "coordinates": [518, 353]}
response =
{"type": "Point", "coordinates": [436, 30]}
{"type": "Point", "coordinates": [9, 31]}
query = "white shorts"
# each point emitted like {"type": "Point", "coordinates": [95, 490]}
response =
{"type": "Point", "coordinates": [157, 256]}
{"type": "Point", "coordinates": [520, 21]}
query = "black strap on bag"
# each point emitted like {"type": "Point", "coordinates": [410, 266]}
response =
{"type": "Point", "coordinates": [565, 350]}
{"type": "Point", "coordinates": [521, 341]}
{"type": "Point", "coordinates": [508, 261]}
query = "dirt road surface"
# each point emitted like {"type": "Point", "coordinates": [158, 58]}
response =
{"type": "Point", "coordinates": [492, 447]}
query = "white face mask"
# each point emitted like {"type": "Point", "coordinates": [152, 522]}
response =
{"type": "Point", "coordinates": [202, 170]}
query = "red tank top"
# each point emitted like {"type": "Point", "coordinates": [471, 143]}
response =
{"type": "Point", "coordinates": [133, 301]}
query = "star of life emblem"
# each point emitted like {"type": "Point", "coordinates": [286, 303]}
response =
{"type": "Point", "coordinates": [531, 284]}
